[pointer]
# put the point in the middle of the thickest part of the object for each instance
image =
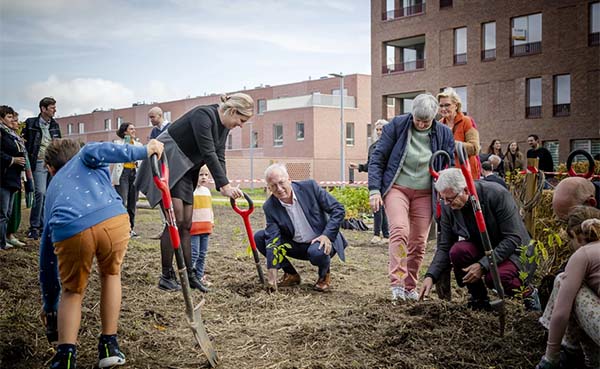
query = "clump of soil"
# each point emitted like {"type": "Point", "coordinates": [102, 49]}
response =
{"type": "Point", "coordinates": [353, 326]}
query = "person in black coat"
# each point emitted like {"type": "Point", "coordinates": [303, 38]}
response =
{"type": "Point", "coordinates": [12, 163]}
{"type": "Point", "coordinates": [197, 138]}
{"type": "Point", "coordinates": [380, 221]}
{"type": "Point", "coordinates": [487, 170]}
{"type": "Point", "coordinates": [459, 243]}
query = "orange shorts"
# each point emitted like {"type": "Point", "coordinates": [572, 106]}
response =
{"type": "Point", "coordinates": [106, 240]}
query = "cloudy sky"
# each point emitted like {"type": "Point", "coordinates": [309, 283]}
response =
{"type": "Point", "coordinates": [111, 53]}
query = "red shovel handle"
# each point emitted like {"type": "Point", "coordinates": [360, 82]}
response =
{"type": "Point", "coordinates": [246, 216]}
{"type": "Point", "coordinates": [241, 212]}
{"type": "Point", "coordinates": [588, 156]}
{"type": "Point", "coordinates": [160, 176]}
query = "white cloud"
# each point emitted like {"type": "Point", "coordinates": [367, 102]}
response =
{"type": "Point", "coordinates": [81, 95]}
{"type": "Point", "coordinates": [25, 113]}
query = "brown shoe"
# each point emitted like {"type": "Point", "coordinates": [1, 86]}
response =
{"type": "Point", "coordinates": [289, 280]}
{"type": "Point", "coordinates": [322, 284]}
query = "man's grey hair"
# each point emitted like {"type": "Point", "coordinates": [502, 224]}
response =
{"type": "Point", "coordinates": [424, 107]}
{"type": "Point", "coordinates": [451, 178]}
{"type": "Point", "coordinates": [495, 160]}
{"type": "Point", "coordinates": [276, 167]}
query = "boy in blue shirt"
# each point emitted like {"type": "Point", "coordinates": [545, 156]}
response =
{"type": "Point", "coordinates": [85, 218]}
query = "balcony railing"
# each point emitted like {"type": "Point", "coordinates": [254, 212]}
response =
{"type": "Point", "coordinates": [526, 49]}
{"type": "Point", "coordinates": [533, 112]}
{"type": "Point", "coordinates": [306, 101]}
{"type": "Point", "coordinates": [487, 55]}
{"type": "Point", "coordinates": [404, 67]}
{"type": "Point", "coordinates": [403, 12]}
{"type": "Point", "coordinates": [460, 59]}
{"type": "Point", "coordinates": [594, 39]}
{"type": "Point", "coordinates": [561, 110]}
{"type": "Point", "coordinates": [445, 4]}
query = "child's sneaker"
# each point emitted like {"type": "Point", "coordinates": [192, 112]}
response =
{"type": "Point", "coordinates": [65, 357]}
{"type": "Point", "coordinates": [109, 354]}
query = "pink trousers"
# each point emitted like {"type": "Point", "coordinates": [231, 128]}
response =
{"type": "Point", "coordinates": [409, 217]}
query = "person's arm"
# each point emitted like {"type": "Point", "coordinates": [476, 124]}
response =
{"type": "Point", "coordinates": [574, 276]}
{"type": "Point", "coordinates": [365, 167]}
{"type": "Point", "coordinates": [471, 140]}
{"type": "Point", "coordinates": [100, 154]}
{"type": "Point", "coordinates": [202, 127]}
{"type": "Point", "coordinates": [334, 209]}
{"type": "Point", "coordinates": [507, 218]}
{"type": "Point", "coordinates": [379, 158]}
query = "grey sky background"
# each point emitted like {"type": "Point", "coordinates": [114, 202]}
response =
{"type": "Point", "coordinates": [108, 53]}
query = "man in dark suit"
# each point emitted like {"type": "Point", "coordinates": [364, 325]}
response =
{"type": "Point", "coordinates": [303, 222]}
{"type": "Point", "coordinates": [155, 114]}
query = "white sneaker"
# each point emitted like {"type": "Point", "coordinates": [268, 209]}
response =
{"type": "Point", "coordinates": [412, 295]}
{"type": "Point", "coordinates": [385, 241]}
{"type": "Point", "coordinates": [376, 239]}
{"type": "Point", "coordinates": [15, 242]}
{"type": "Point", "coordinates": [398, 294]}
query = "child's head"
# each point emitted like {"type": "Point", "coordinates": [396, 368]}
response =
{"type": "Point", "coordinates": [203, 177]}
{"type": "Point", "coordinates": [584, 225]}
{"type": "Point", "coordinates": [59, 152]}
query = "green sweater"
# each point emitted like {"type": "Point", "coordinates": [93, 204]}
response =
{"type": "Point", "coordinates": [414, 172]}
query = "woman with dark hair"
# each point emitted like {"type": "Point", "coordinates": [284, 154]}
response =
{"type": "Point", "coordinates": [515, 160]}
{"type": "Point", "coordinates": [195, 139]}
{"type": "Point", "coordinates": [123, 174]}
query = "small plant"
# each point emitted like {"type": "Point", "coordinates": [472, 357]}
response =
{"type": "Point", "coordinates": [541, 256]}
{"type": "Point", "coordinates": [279, 251]}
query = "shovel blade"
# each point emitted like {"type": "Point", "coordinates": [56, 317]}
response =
{"type": "Point", "coordinates": [202, 338]}
{"type": "Point", "coordinates": [500, 309]}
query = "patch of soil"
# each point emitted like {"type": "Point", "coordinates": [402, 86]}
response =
{"type": "Point", "coordinates": [352, 326]}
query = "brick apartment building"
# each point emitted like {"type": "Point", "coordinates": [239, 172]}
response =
{"type": "Point", "coordinates": [297, 124]}
{"type": "Point", "coordinates": [521, 67]}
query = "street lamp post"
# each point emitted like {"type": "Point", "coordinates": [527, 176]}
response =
{"type": "Point", "coordinates": [251, 155]}
{"type": "Point", "coordinates": [342, 136]}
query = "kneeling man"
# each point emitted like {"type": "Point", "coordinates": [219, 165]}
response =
{"type": "Point", "coordinates": [308, 219]}
{"type": "Point", "coordinates": [459, 241]}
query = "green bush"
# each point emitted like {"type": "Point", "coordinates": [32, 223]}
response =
{"type": "Point", "coordinates": [354, 199]}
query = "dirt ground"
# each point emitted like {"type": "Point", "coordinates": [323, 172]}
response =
{"type": "Point", "coordinates": [352, 326]}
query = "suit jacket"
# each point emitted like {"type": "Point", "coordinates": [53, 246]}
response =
{"type": "Point", "coordinates": [323, 212]}
{"type": "Point", "coordinates": [504, 225]}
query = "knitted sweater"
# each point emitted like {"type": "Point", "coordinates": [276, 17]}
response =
{"type": "Point", "coordinates": [202, 216]}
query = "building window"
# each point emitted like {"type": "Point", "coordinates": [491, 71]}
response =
{"type": "Point", "coordinates": [336, 92]}
{"type": "Point", "coordinates": [261, 106]}
{"type": "Point", "coordinates": [410, 52]}
{"type": "Point", "coordinates": [254, 139]}
{"type": "Point", "coordinates": [594, 36]}
{"type": "Point", "coordinates": [526, 35]}
{"type": "Point", "coordinates": [119, 121]}
{"type": "Point", "coordinates": [534, 98]}
{"type": "Point", "coordinates": [229, 142]}
{"type": "Point", "coordinates": [167, 116]}
{"type": "Point", "coordinates": [407, 105]}
{"type": "Point", "coordinates": [553, 147]}
{"type": "Point", "coordinates": [488, 41]}
{"type": "Point", "coordinates": [349, 134]}
{"type": "Point", "coordinates": [460, 46]}
{"type": "Point", "coordinates": [81, 128]}
{"type": "Point", "coordinates": [592, 146]}
{"type": "Point", "coordinates": [409, 7]}
{"type": "Point", "coordinates": [462, 93]}
{"type": "Point", "coordinates": [107, 124]}
{"type": "Point", "coordinates": [445, 4]}
{"type": "Point", "coordinates": [562, 95]}
{"type": "Point", "coordinates": [391, 102]}
{"type": "Point", "coordinates": [299, 131]}
{"type": "Point", "coordinates": [277, 135]}
{"type": "Point", "coordinates": [70, 129]}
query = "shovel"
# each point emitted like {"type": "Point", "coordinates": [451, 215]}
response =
{"type": "Point", "coordinates": [497, 305]}
{"type": "Point", "coordinates": [590, 159]}
{"type": "Point", "coordinates": [194, 318]}
{"type": "Point", "coordinates": [246, 216]}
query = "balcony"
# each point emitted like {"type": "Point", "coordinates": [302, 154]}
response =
{"type": "Point", "coordinates": [307, 101]}
{"type": "Point", "coordinates": [526, 49]}
{"type": "Point", "coordinates": [594, 39]}
{"type": "Point", "coordinates": [408, 66]}
{"type": "Point", "coordinates": [460, 59]}
{"type": "Point", "coordinates": [561, 110]}
{"type": "Point", "coordinates": [488, 55]}
{"type": "Point", "coordinates": [533, 112]}
{"type": "Point", "coordinates": [403, 12]}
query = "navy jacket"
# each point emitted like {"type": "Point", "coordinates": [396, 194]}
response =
{"type": "Point", "coordinates": [323, 212]}
{"type": "Point", "coordinates": [157, 131]}
{"type": "Point", "coordinates": [32, 134]}
{"type": "Point", "coordinates": [390, 151]}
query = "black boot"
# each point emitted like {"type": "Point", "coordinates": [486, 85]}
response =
{"type": "Point", "coordinates": [168, 281]}
{"type": "Point", "coordinates": [195, 282]}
